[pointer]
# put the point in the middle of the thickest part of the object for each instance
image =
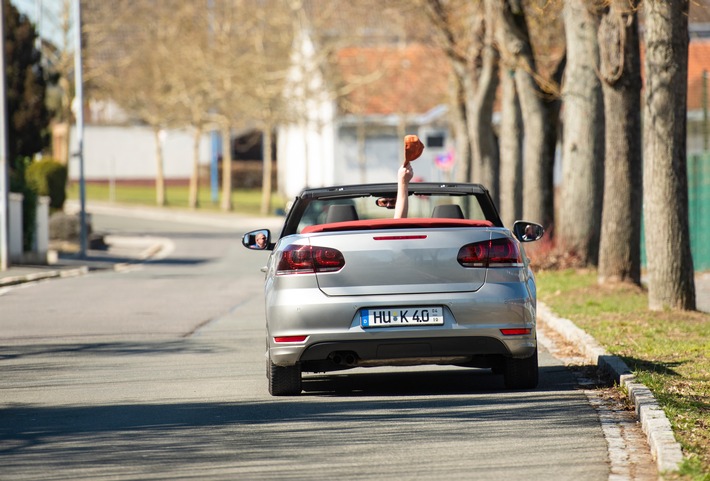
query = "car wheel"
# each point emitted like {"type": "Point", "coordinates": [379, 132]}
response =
{"type": "Point", "coordinates": [521, 373]}
{"type": "Point", "coordinates": [284, 380]}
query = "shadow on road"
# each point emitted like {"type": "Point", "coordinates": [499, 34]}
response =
{"type": "Point", "coordinates": [156, 348]}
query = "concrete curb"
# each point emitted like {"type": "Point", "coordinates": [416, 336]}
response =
{"type": "Point", "coordinates": [664, 448]}
{"type": "Point", "coordinates": [40, 276]}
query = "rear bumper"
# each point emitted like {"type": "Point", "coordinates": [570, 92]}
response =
{"type": "Point", "coordinates": [408, 348]}
{"type": "Point", "coordinates": [478, 351]}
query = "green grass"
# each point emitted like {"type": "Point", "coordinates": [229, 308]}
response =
{"type": "Point", "coordinates": [669, 351]}
{"type": "Point", "coordinates": [245, 201]}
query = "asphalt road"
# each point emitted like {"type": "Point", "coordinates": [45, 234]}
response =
{"type": "Point", "coordinates": [158, 372]}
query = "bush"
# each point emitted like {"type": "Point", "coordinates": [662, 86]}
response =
{"type": "Point", "coordinates": [49, 177]}
{"type": "Point", "coordinates": [19, 184]}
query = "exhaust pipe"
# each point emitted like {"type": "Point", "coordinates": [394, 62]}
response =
{"type": "Point", "coordinates": [344, 358]}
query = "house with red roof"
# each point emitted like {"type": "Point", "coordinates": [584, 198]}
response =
{"type": "Point", "coordinates": [355, 133]}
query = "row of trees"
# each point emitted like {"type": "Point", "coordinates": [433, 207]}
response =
{"type": "Point", "coordinates": [220, 65]}
{"type": "Point", "coordinates": [609, 173]}
{"type": "Point", "coordinates": [27, 116]}
{"type": "Point", "coordinates": [568, 73]}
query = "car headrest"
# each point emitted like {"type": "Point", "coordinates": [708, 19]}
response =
{"type": "Point", "coordinates": [341, 213]}
{"type": "Point", "coordinates": [447, 211]}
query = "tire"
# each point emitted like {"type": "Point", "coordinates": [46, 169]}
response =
{"type": "Point", "coordinates": [521, 373]}
{"type": "Point", "coordinates": [284, 380]}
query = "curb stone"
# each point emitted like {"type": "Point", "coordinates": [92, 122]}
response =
{"type": "Point", "coordinates": [40, 276]}
{"type": "Point", "coordinates": [664, 448]}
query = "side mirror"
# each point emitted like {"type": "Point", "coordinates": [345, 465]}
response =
{"type": "Point", "coordinates": [527, 231]}
{"type": "Point", "coordinates": [257, 239]}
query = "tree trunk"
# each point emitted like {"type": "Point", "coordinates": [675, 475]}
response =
{"type": "Point", "coordinates": [620, 255]}
{"type": "Point", "coordinates": [671, 281]}
{"type": "Point", "coordinates": [538, 160]}
{"type": "Point", "coordinates": [266, 175]}
{"type": "Point", "coordinates": [480, 111]}
{"type": "Point", "coordinates": [463, 144]}
{"type": "Point", "coordinates": [511, 158]}
{"type": "Point", "coordinates": [159, 169]}
{"type": "Point", "coordinates": [579, 219]}
{"type": "Point", "coordinates": [226, 203]}
{"type": "Point", "coordinates": [193, 200]}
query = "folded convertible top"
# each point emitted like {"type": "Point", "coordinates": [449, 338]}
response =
{"type": "Point", "coordinates": [407, 223]}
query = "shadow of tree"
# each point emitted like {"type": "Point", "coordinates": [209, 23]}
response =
{"type": "Point", "coordinates": [286, 438]}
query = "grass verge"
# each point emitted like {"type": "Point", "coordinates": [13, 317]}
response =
{"type": "Point", "coordinates": [245, 201]}
{"type": "Point", "coordinates": [667, 350]}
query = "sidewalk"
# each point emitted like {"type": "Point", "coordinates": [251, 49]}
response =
{"type": "Point", "coordinates": [120, 253]}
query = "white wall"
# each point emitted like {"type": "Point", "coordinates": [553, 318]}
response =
{"type": "Point", "coordinates": [306, 152]}
{"type": "Point", "coordinates": [130, 152]}
{"type": "Point", "coordinates": [384, 153]}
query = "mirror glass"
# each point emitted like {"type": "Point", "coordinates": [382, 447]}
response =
{"type": "Point", "coordinates": [257, 239]}
{"type": "Point", "coordinates": [527, 231]}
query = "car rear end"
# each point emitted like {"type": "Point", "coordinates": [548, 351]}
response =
{"type": "Point", "coordinates": [437, 295]}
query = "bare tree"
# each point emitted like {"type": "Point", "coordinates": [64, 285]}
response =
{"type": "Point", "coordinates": [60, 59]}
{"type": "Point", "coordinates": [511, 147]}
{"type": "Point", "coordinates": [466, 32]}
{"type": "Point", "coordinates": [251, 47]}
{"type": "Point", "coordinates": [579, 221]}
{"type": "Point", "coordinates": [670, 263]}
{"type": "Point", "coordinates": [619, 257]}
{"type": "Point", "coordinates": [193, 82]}
{"type": "Point", "coordinates": [538, 158]}
{"type": "Point", "coordinates": [130, 50]}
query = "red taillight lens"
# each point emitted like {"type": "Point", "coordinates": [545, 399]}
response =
{"type": "Point", "coordinates": [326, 259]}
{"type": "Point", "coordinates": [290, 338]}
{"type": "Point", "coordinates": [305, 259]}
{"type": "Point", "coordinates": [474, 255]}
{"type": "Point", "coordinates": [295, 259]}
{"type": "Point", "coordinates": [502, 252]}
{"type": "Point", "coordinates": [516, 331]}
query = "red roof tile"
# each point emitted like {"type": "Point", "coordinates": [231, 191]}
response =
{"type": "Point", "coordinates": [394, 80]}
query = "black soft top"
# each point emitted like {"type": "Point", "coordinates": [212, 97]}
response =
{"type": "Point", "coordinates": [390, 189]}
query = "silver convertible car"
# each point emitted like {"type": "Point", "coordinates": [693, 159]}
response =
{"type": "Point", "coordinates": [349, 286]}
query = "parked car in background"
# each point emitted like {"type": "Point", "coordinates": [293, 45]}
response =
{"type": "Point", "coordinates": [348, 286]}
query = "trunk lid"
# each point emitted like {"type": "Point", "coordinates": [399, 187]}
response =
{"type": "Point", "coordinates": [406, 261]}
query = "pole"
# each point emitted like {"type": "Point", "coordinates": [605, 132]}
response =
{"type": "Point", "coordinates": [4, 183]}
{"type": "Point", "coordinates": [79, 99]}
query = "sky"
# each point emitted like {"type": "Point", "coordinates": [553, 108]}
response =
{"type": "Point", "coordinates": [51, 13]}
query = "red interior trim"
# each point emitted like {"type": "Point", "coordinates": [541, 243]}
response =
{"type": "Point", "coordinates": [408, 223]}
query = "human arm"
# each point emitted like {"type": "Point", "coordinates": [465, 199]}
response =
{"type": "Point", "coordinates": [404, 175]}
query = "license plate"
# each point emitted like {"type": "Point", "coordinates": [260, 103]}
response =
{"type": "Point", "coordinates": [407, 316]}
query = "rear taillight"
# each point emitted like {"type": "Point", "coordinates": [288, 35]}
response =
{"type": "Point", "coordinates": [306, 259]}
{"type": "Point", "coordinates": [502, 252]}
